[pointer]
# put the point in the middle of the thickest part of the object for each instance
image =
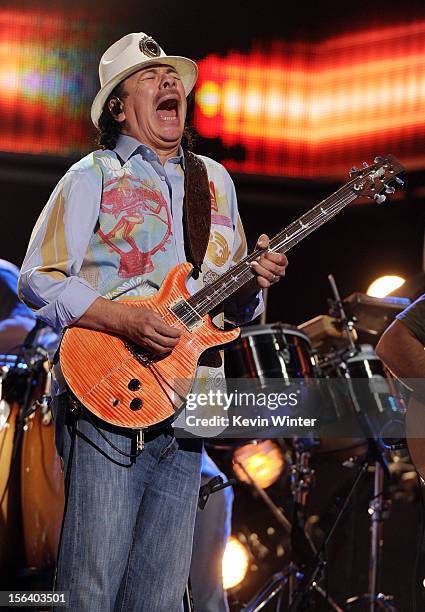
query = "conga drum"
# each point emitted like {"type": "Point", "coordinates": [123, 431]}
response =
{"type": "Point", "coordinates": [42, 490]}
{"type": "Point", "coordinates": [11, 544]}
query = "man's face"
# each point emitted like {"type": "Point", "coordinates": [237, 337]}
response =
{"type": "Point", "coordinates": [155, 107]}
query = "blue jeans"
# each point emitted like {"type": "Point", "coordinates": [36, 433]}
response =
{"type": "Point", "coordinates": [128, 528]}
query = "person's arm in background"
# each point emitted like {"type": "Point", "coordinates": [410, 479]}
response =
{"type": "Point", "coordinates": [49, 281]}
{"type": "Point", "coordinates": [16, 320]}
{"type": "Point", "coordinates": [13, 332]}
{"type": "Point", "coordinates": [401, 346]}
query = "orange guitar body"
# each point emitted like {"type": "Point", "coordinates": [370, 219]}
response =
{"type": "Point", "coordinates": [103, 373]}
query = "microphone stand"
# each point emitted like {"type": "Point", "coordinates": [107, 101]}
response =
{"type": "Point", "coordinates": [344, 322]}
{"type": "Point", "coordinates": [283, 586]}
{"type": "Point", "coordinates": [380, 504]}
{"type": "Point", "coordinates": [12, 384]}
{"type": "Point", "coordinates": [29, 346]}
{"type": "Point", "coordinates": [378, 507]}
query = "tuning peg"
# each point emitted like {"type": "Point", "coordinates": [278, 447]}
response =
{"type": "Point", "coordinates": [378, 159]}
{"type": "Point", "coordinates": [379, 198]}
{"type": "Point", "coordinates": [399, 181]}
{"type": "Point", "coordinates": [353, 170]}
{"type": "Point", "coordinates": [365, 165]}
{"type": "Point", "coordinates": [389, 189]}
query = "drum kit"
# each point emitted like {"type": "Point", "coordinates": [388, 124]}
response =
{"type": "Point", "coordinates": [333, 347]}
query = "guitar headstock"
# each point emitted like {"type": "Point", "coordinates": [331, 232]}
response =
{"type": "Point", "coordinates": [379, 179]}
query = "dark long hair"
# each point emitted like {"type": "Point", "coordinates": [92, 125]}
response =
{"type": "Point", "coordinates": [109, 128]}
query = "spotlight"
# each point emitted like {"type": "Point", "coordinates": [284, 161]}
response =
{"type": "Point", "coordinates": [384, 285]}
{"type": "Point", "coordinates": [263, 461]}
{"type": "Point", "coordinates": [235, 563]}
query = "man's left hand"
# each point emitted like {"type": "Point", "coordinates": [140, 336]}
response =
{"type": "Point", "coordinates": [269, 267]}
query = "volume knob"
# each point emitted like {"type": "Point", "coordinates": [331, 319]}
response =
{"type": "Point", "coordinates": [136, 403]}
{"type": "Point", "coordinates": [134, 384]}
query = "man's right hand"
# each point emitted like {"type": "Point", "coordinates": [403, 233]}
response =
{"type": "Point", "coordinates": [141, 325]}
{"type": "Point", "coordinates": [147, 328]}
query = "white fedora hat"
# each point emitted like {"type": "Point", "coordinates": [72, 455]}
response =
{"type": "Point", "coordinates": [129, 54]}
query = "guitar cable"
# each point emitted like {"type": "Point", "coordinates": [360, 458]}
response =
{"type": "Point", "coordinates": [131, 456]}
{"type": "Point", "coordinates": [73, 433]}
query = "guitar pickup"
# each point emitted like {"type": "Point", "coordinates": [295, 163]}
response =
{"type": "Point", "coordinates": [186, 314]}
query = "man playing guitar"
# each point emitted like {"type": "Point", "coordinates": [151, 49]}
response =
{"type": "Point", "coordinates": [115, 225]}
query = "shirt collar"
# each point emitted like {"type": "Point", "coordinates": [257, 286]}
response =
{"type": "Point", "coordinates": [127, 146]}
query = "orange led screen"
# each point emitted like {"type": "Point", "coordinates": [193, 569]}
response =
{"type": "Point", "coordinates": [316, 109]}
{"type": "Point", "coordinates": [48, 78]}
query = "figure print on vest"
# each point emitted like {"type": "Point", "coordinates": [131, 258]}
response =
{"type": "Point", "coordinates": [137, 224]}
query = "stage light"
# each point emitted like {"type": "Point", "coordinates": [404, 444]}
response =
{"type": "Point", "coordinates": [208, 98]}
{"type": "Point", "coordinates": [235, 563]}
{"type": "Point", "coordinates": [264, 462]}
{"type": "Point", "coordinates": [384, 285]}
{"type": "Point", "coordinates": [47, 83]}
{"type": "Point", "coordinates": [232, 100]}
{"type": "Point", "coordinates": [308, 107]}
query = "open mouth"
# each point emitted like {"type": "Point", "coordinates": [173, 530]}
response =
{"type": "Point", "coordinates": [167, 110]}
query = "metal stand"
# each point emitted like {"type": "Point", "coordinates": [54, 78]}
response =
{"type": "Point", "coordinates": [379, 509]}
{"type": "Point", "coordinates": [286, 586]}
{"type": "Point", "coordinates": [379, 506]}
{"type": "Point", "coordinates": [345, 322]}
{"type": "Point", "coordinates": [310, 578]}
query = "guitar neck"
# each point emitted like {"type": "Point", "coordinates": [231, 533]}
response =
{"type": "Point", "coordinates": [216, 292]}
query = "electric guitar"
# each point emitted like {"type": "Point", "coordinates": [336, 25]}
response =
{"type": "Point", "coordinates": [122, 384]}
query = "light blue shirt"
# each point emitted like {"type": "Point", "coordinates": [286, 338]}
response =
{"type": "Point", "coordinates": [61, 277]}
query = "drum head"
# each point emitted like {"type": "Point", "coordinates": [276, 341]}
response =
{"type": "Point", "coordinates": [273, 328]}
{"type": "Point", "coordinates": [270, 351]}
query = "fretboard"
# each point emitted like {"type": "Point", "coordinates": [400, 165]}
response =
{"type": "Point", "coordinates": [219, 290]}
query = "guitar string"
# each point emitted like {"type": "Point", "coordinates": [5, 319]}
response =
{"type": "Point", "coordinates": [288, 241]}
{"type": "Point", "coordinates": [329, 203]}
{"type": "Point", "coordinates": [328, 208]}
{"type": "Point", "coordinates": [296, 236]}
{"type": "Point", "coordinates": [331, 208]}
{"type": "Point", "coordinates": [313, 219]}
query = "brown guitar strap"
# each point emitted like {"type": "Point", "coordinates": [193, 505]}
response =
{"type": "Point", "coordinates": [197, 225]}
{"type": "Point", "coordinates": [196, 210]}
